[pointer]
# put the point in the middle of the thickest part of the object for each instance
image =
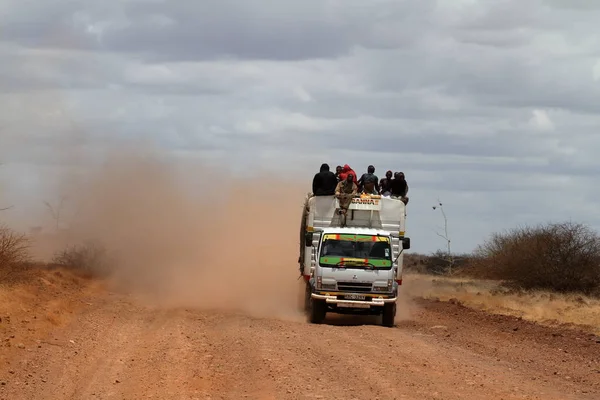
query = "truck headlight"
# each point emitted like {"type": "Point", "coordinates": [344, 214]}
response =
{"type": "Point", "coordinates": [329, 284]}
{"type": "Point", "coordinates": [383, 287]}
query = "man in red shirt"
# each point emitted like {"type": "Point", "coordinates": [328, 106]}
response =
{"type": "Point", "coordinates": [347, 170]}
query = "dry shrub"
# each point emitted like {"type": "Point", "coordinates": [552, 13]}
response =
{"type": "Point", "coordinates": [14, 248]}
{"type": "Point", "coordinates": [438, 263]}
{"type": "Point", "coordinates": [90, 258]}
{"type": "Point", "coordinates": [414, 262]}
{"type": "Point", "coordinates": [563, 257]}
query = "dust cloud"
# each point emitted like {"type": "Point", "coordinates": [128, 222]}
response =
{"type": "Point", "coordinates": [180, 233]}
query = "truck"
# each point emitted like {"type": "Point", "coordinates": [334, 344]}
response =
{"type": "Point", "coordinates": [352, 261]}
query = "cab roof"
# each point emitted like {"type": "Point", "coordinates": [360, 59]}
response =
{"type": "Point", "coordinates": [356, 230]}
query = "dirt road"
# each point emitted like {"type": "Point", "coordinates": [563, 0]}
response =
{"type": "Point", "coordinates": [117, 349]}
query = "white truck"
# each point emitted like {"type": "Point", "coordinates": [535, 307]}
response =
{"type": "Point", "coordinates": [352, 264]}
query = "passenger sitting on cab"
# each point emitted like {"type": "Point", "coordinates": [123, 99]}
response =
{"type": "Point", "coordinates": [345, 191]}
{"type": "Point", "coordinates": [400, 187]}
{"type": "Point", "coordinates": [347, 170]}
{"type": "Point", "coordinates": [369, 177]}
{"type": "Point", "coordinates": [324, 182]}
{"type": "Point", "coordinates": [385, 185]}
{"type": "Point", "coordinates": [369, 188]}
{"type": "Point", "coordinates": [338, 172]}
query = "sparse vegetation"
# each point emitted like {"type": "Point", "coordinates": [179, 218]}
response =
{"type": "Point", "coordinates": [89, 258]}
{"type": "Point", "coordinates": [14, 248]}
{"type": "Point", "coordinates": [564, 257]}
{"type": "Point", "coordinates": [437, 263]}
{"type": "Point", "coordinates": [545, 307]}
{"type": "Point", "coordinates": [561, 257]}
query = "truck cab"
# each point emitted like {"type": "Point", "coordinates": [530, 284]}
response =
{"type": "Point", "coordinates": [353, 265]}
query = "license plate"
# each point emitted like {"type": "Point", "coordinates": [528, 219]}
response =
{"type": "Point", "coordinates": [353, 305]}
{"type": "Point", "coordinates": [355, 297]}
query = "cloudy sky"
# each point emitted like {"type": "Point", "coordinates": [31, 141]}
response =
{"type": "Point", "coordinates": [490, 105]}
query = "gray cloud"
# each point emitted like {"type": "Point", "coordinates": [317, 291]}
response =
{"type": "Point", "coordinates": [258, 29]}
{"type": "Point", "coordinates": [491, 106]}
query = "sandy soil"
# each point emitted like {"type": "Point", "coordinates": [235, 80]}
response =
{"type": "Point", "coordinates": [114, 347]}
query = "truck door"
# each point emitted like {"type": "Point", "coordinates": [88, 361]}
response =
{"type": "Point", "coordinates": [396, 249]}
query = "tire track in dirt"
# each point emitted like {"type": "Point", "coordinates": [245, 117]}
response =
{"type": "Point", "coordinates": [165, 363]}
{"type": "Point", "coordinates": [123, 350]}
{"type": "Point", "coordinates": [555, 356]}
{"type": "Point", "coordinates": [346, 362]}
{"type": "Point", "coordinates": [238, 353]}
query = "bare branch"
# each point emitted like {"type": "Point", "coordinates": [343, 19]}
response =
{"type": "Point", "coordinates": [56, 212]}
{"type": "Point", "coordinates": [442, 236]}
{"type": "Point", "coordinates": [13, 247]}
{"type": "Point", "coordinates": [445, 235]}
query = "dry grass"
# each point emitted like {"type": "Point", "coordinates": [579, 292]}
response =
{"type": "Point", "coordinates": [37, 301]}
{"type": "Point", "coordinates": [90, 259]}
{"type": "Point", "coordinates": [544, 307]}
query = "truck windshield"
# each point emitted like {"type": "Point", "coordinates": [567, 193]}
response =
{"type": "Point", "coordinates": [355, 251]}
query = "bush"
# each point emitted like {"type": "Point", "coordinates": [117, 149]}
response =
{"type": "Point", "coordinates": [438, 263]}
{"type": "Point", "coordinates": [14, 248]}
{"type": "Point", "coordinates": [89, 258]}
{"type": "Point", "coordinates": [564, 257]}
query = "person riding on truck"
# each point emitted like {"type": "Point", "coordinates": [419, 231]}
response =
{"type": "Point", "coordinates": [345, 191]}
{"type": "Point", "coordinates": [369, 188]}
{"type": "Point", "coordinates": [399, 187]}
{"type": "Point", "coordinates": [385, 185]}
{"type": "Point", "coordinates": [347, 170]}
{"type": "Point", "coordinates": [324, 182]}
{"type": "Point", "coordinates": [369, 181]}
{"type": "Point", "coordinates": [338, 173]}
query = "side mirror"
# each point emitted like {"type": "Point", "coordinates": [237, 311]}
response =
{"type": "Point", "coordinates": [308, 239]}
{"type": "Point", "coordinates": [406, 243]}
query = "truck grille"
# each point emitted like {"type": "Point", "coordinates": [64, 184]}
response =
{"type": "Point", "coordinates": [354, 287]}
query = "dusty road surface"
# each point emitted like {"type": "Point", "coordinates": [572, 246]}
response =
{"type": "Point", "coordinates": [115, 348]}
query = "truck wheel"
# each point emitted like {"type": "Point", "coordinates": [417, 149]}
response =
{"type": "Point", "coordinates": [318, 311]}
{"type": "Point", "coordinates": [389, 314]}
{"type": "Point", "coordinates": [307, 298]}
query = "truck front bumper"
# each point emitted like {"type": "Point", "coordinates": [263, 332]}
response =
{"type": "Point", "coordinates": [373, 301]}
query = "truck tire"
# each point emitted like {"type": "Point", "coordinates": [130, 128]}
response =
{"type": "Point", "coordinates": [318, 310]}
{"type": "Point", "coordinates": [307, 299]}
{"type": "Point", "coordinates": [389, 315]}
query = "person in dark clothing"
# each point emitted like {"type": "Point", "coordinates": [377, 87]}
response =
{"type": "Point", "coordinates": [385, 185]}
{"type": "Point", "coordinates": [400, 187]}
{"type": "Point", "coordinates": [324, 182]}
{"type": "Point", "coordinates": [369, 182]}
{"type": "Point", "coordinates": [338, 171]}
